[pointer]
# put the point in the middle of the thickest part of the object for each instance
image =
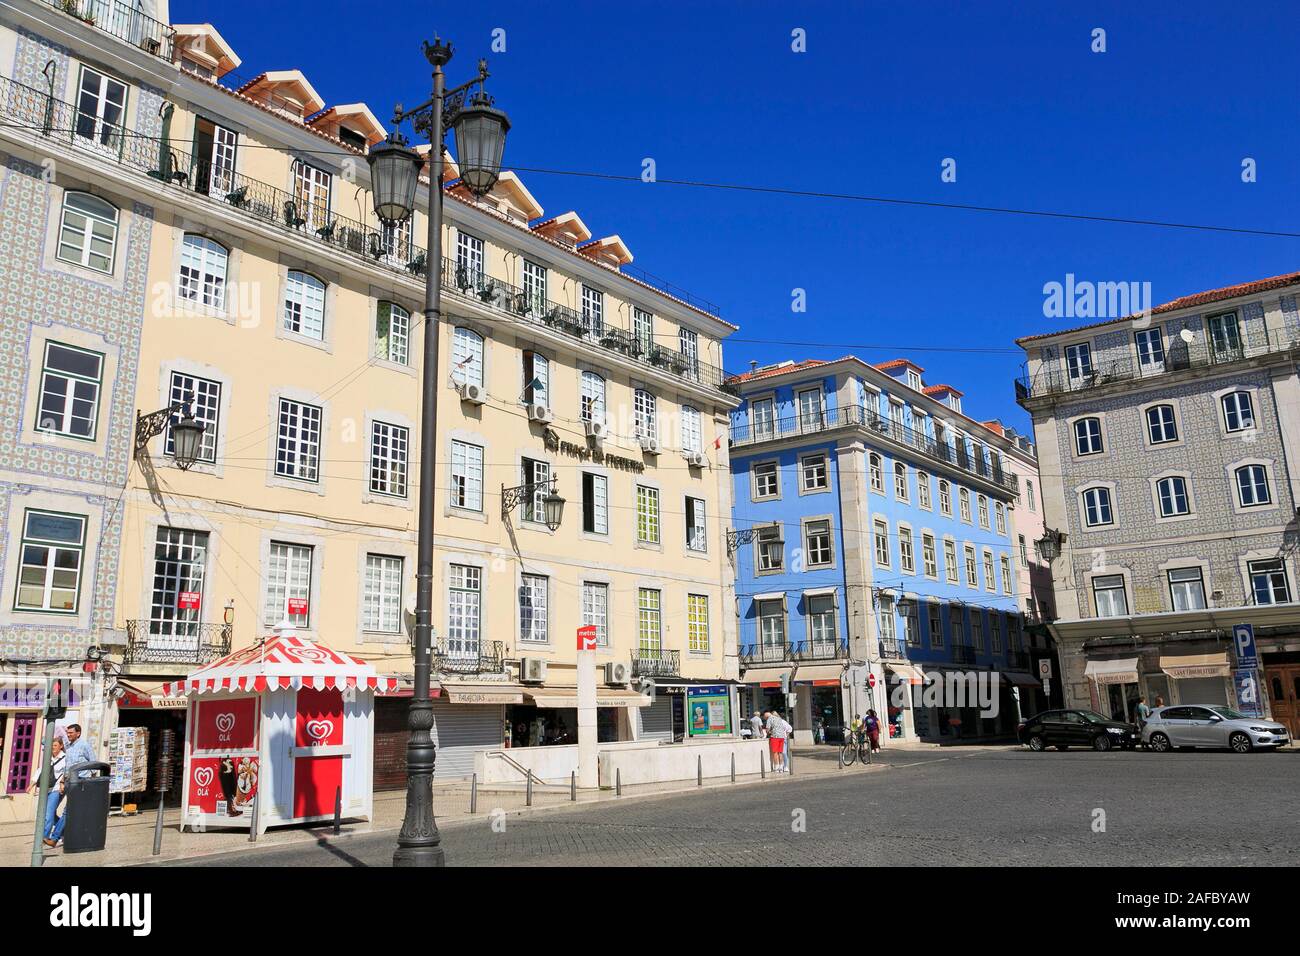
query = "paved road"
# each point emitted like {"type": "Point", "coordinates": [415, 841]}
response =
{"type": "Point", "coordinates": [999, 807]}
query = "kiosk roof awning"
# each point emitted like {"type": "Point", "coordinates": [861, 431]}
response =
{"type": "Point", "coordinates": [283, 661]}
{"type": "Point", "coordinates": [568, 697]}
{"type": "Point", "coordinates": [1191, 666]}
{"type": "Point", "coordinates": [1121, 671]}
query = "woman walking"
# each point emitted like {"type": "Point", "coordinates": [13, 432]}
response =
{"type": "Point", "coordinates": [53, 829]}
{"type": "Point", "coordinates": [873, 730]}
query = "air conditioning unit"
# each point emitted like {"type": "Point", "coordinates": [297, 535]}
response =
{"type": "Point", "coordinates": [540, 413]}
{"type": "Point", "coordinates": [695, 459]}
{"type": "Point", "coordinates": [649, 445]}
{"type": "Point", "coordinates": [532, 670]}
{"type": "Point", "coordinates": [617, 672]}
{"type": "Point", "coordinates": [469, 392]}
{"type": "Point", "coordinates": [595, 430]}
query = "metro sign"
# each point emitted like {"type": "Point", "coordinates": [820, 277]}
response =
{"type": "Point", "coordinates": [587, 637]}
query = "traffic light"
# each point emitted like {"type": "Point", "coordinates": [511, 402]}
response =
{"type": "Point", "coordinates": [55, 703]}
{"type": "Point", "coordinates": [785, 683]}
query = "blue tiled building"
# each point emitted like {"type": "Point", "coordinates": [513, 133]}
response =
{"type": "Point", "coordinates": [873, 529]}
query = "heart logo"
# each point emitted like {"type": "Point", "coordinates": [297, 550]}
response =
{"type": "Point", "coordinates": [225, 722]}
{"type": "Point", "coordinates": [319, 729]}
{"type": "Point", "coordinates": [203, 776]}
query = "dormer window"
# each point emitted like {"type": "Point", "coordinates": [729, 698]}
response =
{"type": "Point", "coordinates": [351, 138]}
{"type": "Point", "coordinates": [198, 69]}
{"type": "Point", "coordinates": [954, 402]}
{"type": "Point", "coordinates": [913, 380]}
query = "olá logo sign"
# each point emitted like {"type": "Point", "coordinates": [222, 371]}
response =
{"type": "Point", "coordinates": [203, 780]}
{"type": "Point", "coordinates": [225, 724]}
{"type": "Point", "coordinates": [319, 730]}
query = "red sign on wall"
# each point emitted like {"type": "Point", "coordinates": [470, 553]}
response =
{"type": "Point", "coordinates": [227, 724]}
{"type": "Point", "coordinates": [587, 637]}
{"type": "Point", "coordinates": [224, 786]}
{"type": "Point", "coordinates": [188, 600]}
{"type": "Point", "coordinates": [297, 606]}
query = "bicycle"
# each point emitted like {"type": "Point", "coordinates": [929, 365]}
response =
{"type": "Point", "coordinates": [857, 746]}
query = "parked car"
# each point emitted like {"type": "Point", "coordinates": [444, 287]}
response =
{"type": "Point", "coordinates": [1210, 725]}
{"type": "Point", "coordinates": [1064, 729]}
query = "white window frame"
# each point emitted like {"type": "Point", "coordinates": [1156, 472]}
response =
{"type": "Point", "coordinates": [464, 611]}
{"type": "Point", "coordinates": [595, 609]}
{"type": "Point", "coordinates": [297, 561]}
{"type": "Point", "coordinates": [64, 385]}
{"type": "Point", "coordinates": [202, 274]}
{"type": "Point", "coordinates": [304, 305]}
{"type": "Point", "coordinates": [382, 607]}
{"type": "Point", "coordinates": [297, 455]}
{"type": "Point", "coordinates": [389, 453]}
{"type": "Point", "coordinates": [466, 475]}
{"type": "Point", "coordinates": [394, 344]}
{"type": "Point", "coordinates": [85, 230]}
{"type": "Point", "coordinates": [467, 347]}
{"type": "Point", "coordinates": [534, 607]}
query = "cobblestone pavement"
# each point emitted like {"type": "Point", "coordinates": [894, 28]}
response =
{"type": "Point", "coordinates": [1001, 807]}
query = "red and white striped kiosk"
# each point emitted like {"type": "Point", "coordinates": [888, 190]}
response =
{"type": "Point", "coordinates": [289, 723]}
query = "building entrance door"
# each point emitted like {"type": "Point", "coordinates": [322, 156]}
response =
{"type": "Point", "coordinates": [1283, 683]}
{"type": "Point", "coordinates": [1121, 700]}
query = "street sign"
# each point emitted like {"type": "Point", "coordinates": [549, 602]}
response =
{"type": "Point", "coordinates": [587, 637]}
{"type": "Point", "coordinates": [188, 600]}
{"type": "Point", "coordinates": [1246, 682]}
{"type": "Point", "coordinates": [1047, 686]}
{"type": "Point", "coordinates": [1243, 640]}
{"type": "Point", "coordinates": [1045, 668]}
{"type": "Point", "coordinates": [871, 680]}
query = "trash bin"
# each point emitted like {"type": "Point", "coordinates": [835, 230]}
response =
{"type": "Point", "coordinates": [87, 808]}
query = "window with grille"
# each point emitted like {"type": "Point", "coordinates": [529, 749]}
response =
{"type": "Point", "coordinates": [645, 414]}
{"type": "Point", "coordinates": [202, 276]}
{"type": "Point", "coordinates": [50, 565]}
{"type": "Point", "coordinates": [691, 438]}
{"type": "Point", "coordinates": [464, 610]}
{"type": "Point", "coordinates": [532, 608]}
{"type": "Point", "coordinates": [101, 111]}
{"type": "Point", "coordinates": [466, 476]}
{"type": "Point", "coordinates": [817, 544]}
{"type": "Point", "coordinates": [206, 396]}
{"type": "Point", "coordinates": [297, 452]}
{"type": "Point", "coordinates": [593, 398]}
{"type": "Point", "coordinates": [689, 343]}
{"type": "Point", "coordinates": [179, 565]}
{"type": "Point", "coordinates": [537, 474]}
{"type": "Point", "coordinates": [88, 232]}
{"type": "Point", "coordinates": [649, 621]}
{"type": "Point", "coordinates": [288, 576]}
{"type": "Point", "coordinates": [388, 449]}
{"type": "Point", "coordinates": [466, 357]}
{"type": "Point", "coordinates": [888, 619]}
{"type": "Point", "coordinates": [392, 333]}
{"type": "Point", "coordinates": [595, 609]}
{"type": "Point", "coordinates": [647, 514]}
{"type": "Point", "coordinates": [71, 379]}
{"type": "Point", "coordinates": [382, 607]}
{"type": "Point", "coordinates": [22, 753]}
{"type": "Point", "coordinates": [696, 535]}
{"type": "Point", "coordinates": [697, 623]}
{"type": "Point", "coordinates": [593, 310]}
{"type": "Point", "coordinates": [304, 305]}
{"type": "Point", "coordinates": [595, 503]}
{"type": "Point", "coordinates": [395, 241]}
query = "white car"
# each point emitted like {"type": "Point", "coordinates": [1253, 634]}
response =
{"type": "Point", "coordinates": [1210, 725]}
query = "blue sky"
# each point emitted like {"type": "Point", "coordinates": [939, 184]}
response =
{"type": "Point", "coordinates": [1154, 128]}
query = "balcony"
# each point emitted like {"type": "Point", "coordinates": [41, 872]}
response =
{"type": "Point", "coordinates": [656, 662]}
{"type": "Point", "coordinates": [388, 248]}
{"type": "Point", "coordinates": [180, 643]}
{"type": "Point", "coordinates": [955, 457]}
{"type": "Point", "coordinates": [122, 21]}
{"type": "Point", "coordinates": [794, 653]}
{"type": "Point", "coordinates": [487, 657]}
{"type": "Point", "coordinates": [1181, 356]}
{"type": "Point", "coordinates": [893, 650]}
{"type": "Point", "coordinates": [963, 654]}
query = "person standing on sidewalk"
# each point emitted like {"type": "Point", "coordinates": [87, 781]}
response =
{"type": "Point", "coordinates": [873, 730]}
{"type": "Point", "coordinates": [53, 829]}
{"type": "Point", "coordinates": [756, 722]}
{"type": "Point", "coordinates": [776, 740]}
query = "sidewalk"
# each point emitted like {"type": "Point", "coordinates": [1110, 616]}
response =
{"type": "Point", "coordinates": [130, 839]}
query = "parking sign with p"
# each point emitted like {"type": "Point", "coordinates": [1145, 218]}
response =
{"type": "Point", "coordinates": [1243, 642]}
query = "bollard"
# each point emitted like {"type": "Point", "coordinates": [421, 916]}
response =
{"type": "Point", "coordinates": [839, 759]}
{"type": "Point", "coordinates": [338, 809]}
{"type": "Point", "coordinates": [573, 786]}
{"type": "Point", "coordinates": [252, 828]}
{"type": "Point", "coordinates": [528, 797]}
{"type": "Point", "coordinates": [618, 781]}
{"type": "Point", "coordinates": [789, 756]}
{"type": "Point", "coordinates": [157, 826]}
{"type": "Point", "coordinates": [762, 766]}
{"type": "Point", "coordinates": [733, 766]}
{"type": "Point", "coordinates": [473, 793]}
{"type": "Point", "coordinates": [699, 770]}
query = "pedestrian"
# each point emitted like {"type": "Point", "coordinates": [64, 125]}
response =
{"type": "Point", "coordinates": [873, 730]}
{"type": "Point", "coordinates": [776, 735]}
{"type": "Point", "coordinates": [52, 832]}
{"type": "Point", "coordinates": [821, 730]}
{"type": "Point", "coordinates": [756, 722]}
{"type": "Point", "coordinates": [1143, 711]}
{"type": "Point", "coordinates": [79, 750]}
{"type": "Point", "coordinates": [1160, 701]}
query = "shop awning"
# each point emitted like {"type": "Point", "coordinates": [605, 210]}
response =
{"type": "Point", "coordinates": [818, 672]}
{"type": "Point", "coordinates": [909, 673]}
{"type": "Point", "coordinates": [1021, 679]}
{"type": "Point", "coordinates": [1191, 666]}
{"type": "Point", "coordinates": [568, 697]}
{"type": "Point", "coordinates": [1121, 671]}
{"type": "Point", "coordinates": [766, 675]}
{"type": "Point", "coordinates": [282, 661]}
{"type": "Point", "coordinates": [484, 693]}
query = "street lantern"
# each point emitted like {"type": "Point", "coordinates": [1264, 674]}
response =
{"type": "Point", "coordinates": [1049, 545]}
{"type": "Point", "coordinates": [187, 438]}
{"type": "Point", "coordinates": [394, 176]}
{"type": "Point", "coordinates": [553, 508]}
{"type": "Point", "coordinates": [480, 143]}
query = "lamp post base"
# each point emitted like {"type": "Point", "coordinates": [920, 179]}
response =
{"type": "Point", "coordinates": [429, 856]}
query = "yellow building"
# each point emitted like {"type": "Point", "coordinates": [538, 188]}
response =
{"type": "Point", "coordinates": [277, 304]}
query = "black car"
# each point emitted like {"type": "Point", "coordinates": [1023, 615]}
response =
{"type": "Point", "coordinates": [1064, 729]}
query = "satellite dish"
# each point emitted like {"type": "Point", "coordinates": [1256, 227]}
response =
{"type": "Point", "coordinates": [1187, 335]}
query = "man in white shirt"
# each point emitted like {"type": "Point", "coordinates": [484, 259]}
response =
{"type": "Point", "coordinates": [777, 732]}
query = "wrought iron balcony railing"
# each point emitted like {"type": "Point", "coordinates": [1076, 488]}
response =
{"type": "Point", "coordinates": [455, 657]}
{"type": "Point", "coordinates": [963, 654]}
{"type": "Point", "coordinates": [123, 21]}
{"type": "Point", "coordinates": [795, 652]}
{"type": "Point", "coordinates": [390, 248]}
{"type": "Point", "coordinates": [1251, 341]}
{"type": "Point", "coordinates": [955, 456]}
{"type": "Point", "coordinates": [656, 662]}
{"type": "Point", "coordinates": [893, 650]}
{"type": "Point", "coordinates": [175, 642]}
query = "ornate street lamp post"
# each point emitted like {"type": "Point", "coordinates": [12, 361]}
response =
{"type": "Point", "coordinates": [394, 175]}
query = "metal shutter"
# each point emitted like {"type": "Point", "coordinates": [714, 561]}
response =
{"type": "Point", "coordinates": [657, 719]}
{"type": "Point", "coordinates": [460, 731]}
{"type": "Point", "coordinates": [1202, 690]}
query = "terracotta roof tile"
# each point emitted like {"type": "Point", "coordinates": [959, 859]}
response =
{"type": "Point", "coordinates": [898, 363]}
{"type": "Point", "coordinates": [777, 370]}
{"type": "Point", "coordinates": [939, 389]}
